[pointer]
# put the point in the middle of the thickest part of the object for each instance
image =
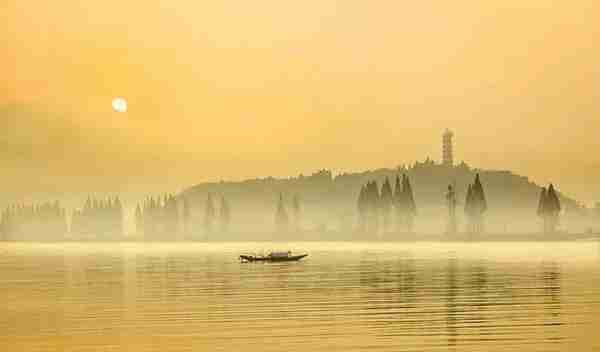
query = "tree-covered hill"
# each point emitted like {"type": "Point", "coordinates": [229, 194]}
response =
{"type": "Point", "coordinates": [331, 201]}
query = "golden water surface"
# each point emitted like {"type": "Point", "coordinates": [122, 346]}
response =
{"type": "Point", "coordinates": [344, 296]}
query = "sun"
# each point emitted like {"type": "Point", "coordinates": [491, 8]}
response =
{"type": "Point", "coordinates": [119, 104]}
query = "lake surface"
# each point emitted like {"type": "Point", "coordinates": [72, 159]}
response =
{"type": "Point", "coordinates": [525, 296]}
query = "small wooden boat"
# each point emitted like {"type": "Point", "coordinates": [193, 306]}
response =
{"type": "Point", "coordinates": [273, 257]}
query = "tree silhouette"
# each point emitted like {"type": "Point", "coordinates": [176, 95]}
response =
{"type": "Point", "coordinates": [475, 206]}
{"type": "Point", "coordinates": [387, 199]}
{"type": "Point", "coordinates": [406, 208]}
{"type": "Point", "coordinates": [541, 209]}
{"type": "Point", "coordinates": [451, 204]}
{"type": "Point", "coordinates": [373, 207]}
{"type": "Point", "coordinates": [549, 209]}
{"type": "Point", "coordinates": [99, 219]}
{"type": "Point", "coordinates": [398, 205]}
{"type": "Point", "coordinates": [362, 209]}
{"type": "Point", "coordinates": [411, 208]}
{"type": "Point", "coordinates": [139, 221]}
{"type": "Point", "coordinates": [480, 195]}
{"type": "Point", "coordinates": [117, 216]}
{"type": "Point", "coordinates": [46, 221]}
{"type": "Point", "coordinates": [469, 212]}
{"type": "Point", "coordinates": [209, 213]}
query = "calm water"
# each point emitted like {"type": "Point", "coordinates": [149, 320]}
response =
{"type": "Point", "coordinates": [346, 296]}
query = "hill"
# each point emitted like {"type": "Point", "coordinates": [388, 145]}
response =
{"type": "Point", "coordinates": [329, 202]}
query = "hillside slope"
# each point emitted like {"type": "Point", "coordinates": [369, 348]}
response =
{"type": "Point", "coordinates": [330, 201]}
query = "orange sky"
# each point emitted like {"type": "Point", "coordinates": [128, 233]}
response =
{"type": "Point", "coordinates": [234, 89]}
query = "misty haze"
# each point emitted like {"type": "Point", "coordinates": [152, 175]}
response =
{"type": "Point", "coordinates": [423, 201]}
{"type": "Point", "coordinates": [300, 176]}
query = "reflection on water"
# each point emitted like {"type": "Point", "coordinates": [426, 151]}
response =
{"type": "Point", "coordinates": [396, 297]}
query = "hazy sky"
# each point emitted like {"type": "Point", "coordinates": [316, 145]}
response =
{"type": "Point", "coordinates": [234, 89]}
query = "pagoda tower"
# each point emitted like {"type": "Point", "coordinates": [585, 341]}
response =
{"type": "Point", "coordinates": [447, 152]}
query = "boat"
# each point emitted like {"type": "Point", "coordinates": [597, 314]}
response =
{"type": "Point", "coordinates": [273, 257]}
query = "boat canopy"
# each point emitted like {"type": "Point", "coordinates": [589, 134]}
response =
{"type": "Point", "coordinates": [280, 254]}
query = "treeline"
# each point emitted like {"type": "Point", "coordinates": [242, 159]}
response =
{"type": "Point", "coordinates": [98, 218]}
{"type": "Point", "coordinates": [549, 209]}
{"type": "Point", "coordinates": [475, 206]}
{"type": "Point", "coordinates": [33, 222]}
{"type": "Point", "coordinates": [389, 209]}
{"type": "Point", "coordinates": [157, 217]}
{"type": "Point", "coordinates": [170, 218]}
{"type": "Point", "coordinates": [378, 208]}
{"type": "Point", "coordinates": [330, 200]}
{"type": "Point", "coordinates": [386, 208]}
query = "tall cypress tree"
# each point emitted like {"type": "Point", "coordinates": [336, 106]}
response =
{"type": "Point", "coordinates": [118, 215]}
{"type": "Point", "coordinates": [374, 206]}
{"type": "Point", "coordinates": [408, 194]}
{"type": "Point", "coordinates": [362, 208]}
{"type": "Point", "coordinates": [551, 210]}
{"type": "Point", "coordinates": [408, 203]}
{"type": "Point", "coordinates": [479, 195]}
{"type": "Point", "coordinates": [209, 213]}
{"type": "Point", "coordinates": [475, 206]}
{"type": "Point", "coordinates": [541, 209]}
{"type": "Point", "coordinates": [398, 204]}
{"type": "Point", "coordinates": [553, 201]}
{"type": "Point", "coordinates": [542, 202]}
{"type": "Point", "coordinates": [386, 203]}
{"type": "Point", "coordinates": [469, 208]}
{"type": "Point", "coordinates": [451, 204]}
{"type": "Point", "coordinates": [139, 220]}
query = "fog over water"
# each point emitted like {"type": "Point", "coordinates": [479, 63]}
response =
{"type": "Point", "coordinates": [353, 296]}
{"type": "Point", "coordinates": [407, 202]}
{"type": "Point", "coordinates": [436, 160]}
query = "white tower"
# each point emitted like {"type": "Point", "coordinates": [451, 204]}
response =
{"type": "Point", "coordinates": [447, 156]}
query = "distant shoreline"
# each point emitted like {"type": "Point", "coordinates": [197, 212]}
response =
{"type": "Point", "coordinates": [561, 237]}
